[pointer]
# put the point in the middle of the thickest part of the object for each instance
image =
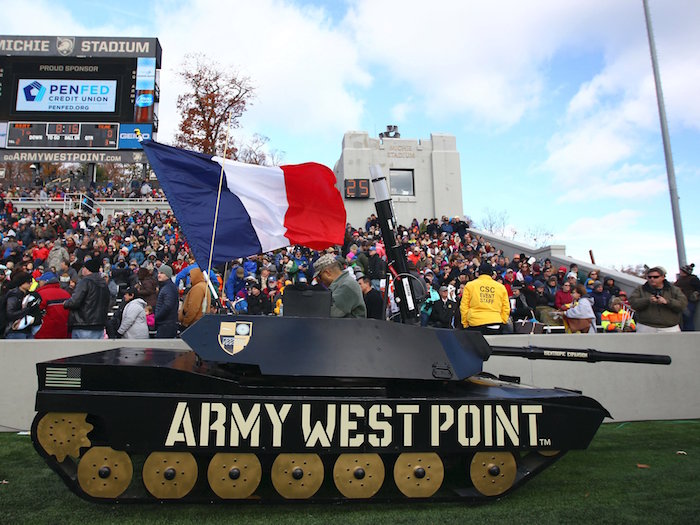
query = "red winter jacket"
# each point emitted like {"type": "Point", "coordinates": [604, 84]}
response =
{"type": "Point", "coordinates": [55, 321]}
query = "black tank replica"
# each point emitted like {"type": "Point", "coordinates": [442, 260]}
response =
{"type": "Point", "coordinates": [301, 408]}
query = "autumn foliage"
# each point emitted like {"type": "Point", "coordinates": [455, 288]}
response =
{"type": "Point", "coordinates": [212, 97]}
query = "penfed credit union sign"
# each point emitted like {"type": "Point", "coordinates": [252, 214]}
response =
{"type": "Point", "coordinates": [66, 95]}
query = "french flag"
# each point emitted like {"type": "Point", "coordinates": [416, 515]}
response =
{"type": "Point", "coordinates": [261, 208]}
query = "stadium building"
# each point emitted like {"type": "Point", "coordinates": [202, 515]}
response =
{"type": "Point", "coordinates": [424, 175]}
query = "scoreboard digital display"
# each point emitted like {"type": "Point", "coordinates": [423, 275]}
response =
{"type": "Point", "coordinates": [357, 188]}
{"type": "Point", "coordinates": [62, 93]}
{"type": "Point", "coordinates": [85, 135]}
{"type": "Point", "coordinates": [79, 89]}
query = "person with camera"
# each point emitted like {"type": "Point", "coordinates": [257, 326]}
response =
{"type": "Point", "coordinates": [658, 303]}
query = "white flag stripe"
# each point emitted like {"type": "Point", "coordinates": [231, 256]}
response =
{"type": "Point", "coordinates": [263, 193]}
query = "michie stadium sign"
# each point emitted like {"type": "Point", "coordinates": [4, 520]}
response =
{"type": "Point", "coordinates": [78, 46]}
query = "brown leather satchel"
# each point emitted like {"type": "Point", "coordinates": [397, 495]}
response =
{"type": "Point", "coordinates": [578, 325]}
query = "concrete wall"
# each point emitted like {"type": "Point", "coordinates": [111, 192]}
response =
{"type": "Point", "coordinates": [629, 391]}
{"type": "Point", "coordinates": [557, 254]}
{"type": "Point", "coordinates": [18, 381]}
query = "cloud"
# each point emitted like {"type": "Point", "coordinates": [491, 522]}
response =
{"type": "Point", "coordinates": [41, 17]}
{"type": "Point", "coordinates": [612, 120]}
{"type": "Point", "coordinates": [305, 71]}
{"type": "Point", "coordinates": [400, 111]}
{"type": "Point", "coordinates": [486, 60]}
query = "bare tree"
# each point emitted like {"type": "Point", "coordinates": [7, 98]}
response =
{"type": "Point", "coordinates": [494, 222]}
{"type": "Point", "coordinates": [212, 97]}
{"type": "Point", "coordinates": [638, 270]}
{"type": "Point", "coordinates": [256, 151]}
{"type": "Point", "coordinates": [538, 236]}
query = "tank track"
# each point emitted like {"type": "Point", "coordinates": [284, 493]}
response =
{"type": "Point", "coordinates": [96, 472]}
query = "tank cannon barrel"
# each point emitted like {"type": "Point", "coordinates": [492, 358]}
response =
{"type": "Point", "coordinates": [588, 355]}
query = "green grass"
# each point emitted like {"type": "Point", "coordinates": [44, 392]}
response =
{"type": "Point", "coordinates": [600, 485]}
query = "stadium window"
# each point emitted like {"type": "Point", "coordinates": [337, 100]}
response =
{"type": "Point", "coordinates": [401, 182]}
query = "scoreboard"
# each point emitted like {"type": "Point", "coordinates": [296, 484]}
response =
{"type": "Point", "coordinates": [77, 93]}
{"type": "Point", "coordinates": [86, 135]}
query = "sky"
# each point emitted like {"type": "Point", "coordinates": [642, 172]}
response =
{"type": "Point", "coordinates": [552, 102]}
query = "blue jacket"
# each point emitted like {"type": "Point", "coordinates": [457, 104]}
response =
{"type": "Point", "coordinates": [234, 284]}
{"type": "Point", "coordinates": [167, 304]}
{"type": "Point", "coordinates": [185, 274]}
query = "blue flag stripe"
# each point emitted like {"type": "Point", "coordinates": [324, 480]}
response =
{"type": "Point", "coordinates": [190, 181]}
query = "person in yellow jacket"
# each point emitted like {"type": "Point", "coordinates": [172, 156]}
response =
{"type": "Point", "coordinates": [485, 306]}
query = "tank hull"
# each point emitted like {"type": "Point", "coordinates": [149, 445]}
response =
{"type": "Point", "coordinates": [161, 405]}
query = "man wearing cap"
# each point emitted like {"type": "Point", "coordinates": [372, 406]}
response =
{"type": "Point", "coordinates": [346, 294]}
{"type": "Point", "coordinates": [658, 304]}
{"type": "Point", "coordinates": [485, 306]}
{"type": "Point", "coordinates": [235, 283]}
{"type": "Point", "coordinates": [167, 304]}
{"type": "Point", "coordinates": [690, 286]}
{"type": "Point", "coordinates": [258, 302]}
{"type": "Point", "coordinates": [55, 321]}
{"type": "Point", "coordinates": [376, 268]}
{"type": "Point", "coordinates": [561, 275]}
{"type": "Point", "coordinates": [444, 310]}
{"type": "Point", "coordinates": [89, 303]}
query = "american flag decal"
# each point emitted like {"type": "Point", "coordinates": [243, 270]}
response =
{"type": "Point", "coordinates": [62, 377]}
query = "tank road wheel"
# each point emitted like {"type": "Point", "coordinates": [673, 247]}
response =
{"type": "Point", "coordinates": [169, 475]}
{"type": "Point", "coordinates": [104, 472]}
{"type": "Point", "coordinates": [358, 475]}
{"type": "Point", "coordinates": [492, 473]}
{"type": "Point", "coordinates": [297, 476]}
{"type": "Point", "coordinates": [63, 434]}
{"type": "Point", "coordinates": [418, 475]}
{"type": "Point", "coordinates": [234, 476]}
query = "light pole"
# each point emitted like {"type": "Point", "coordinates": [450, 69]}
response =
{"type": "Point", "coordinates": [670, 172]}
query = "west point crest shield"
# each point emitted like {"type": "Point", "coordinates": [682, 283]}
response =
{"type": "Point", "coordinates": [65, 45]}
{"type": "Point", "coordinates": [234, 337]}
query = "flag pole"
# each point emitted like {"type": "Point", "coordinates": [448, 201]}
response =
{"type": "Point", "coordinates": [216, 212]}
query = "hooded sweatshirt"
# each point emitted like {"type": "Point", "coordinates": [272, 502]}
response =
{"type": "Point", "coordinates": [196, 301]}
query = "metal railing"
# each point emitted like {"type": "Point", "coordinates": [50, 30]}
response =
{"type": "Point", "coordinates": [73, 202]}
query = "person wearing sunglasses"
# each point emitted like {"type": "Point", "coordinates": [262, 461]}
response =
{"type": "Point", "coordinates": [658, 304]}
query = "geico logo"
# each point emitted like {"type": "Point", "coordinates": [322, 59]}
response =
{"type": "Point", "coordinates": [133, 136]}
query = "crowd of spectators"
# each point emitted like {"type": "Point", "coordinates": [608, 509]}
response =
{"type": "Point", "coordinates": [143, 258]}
